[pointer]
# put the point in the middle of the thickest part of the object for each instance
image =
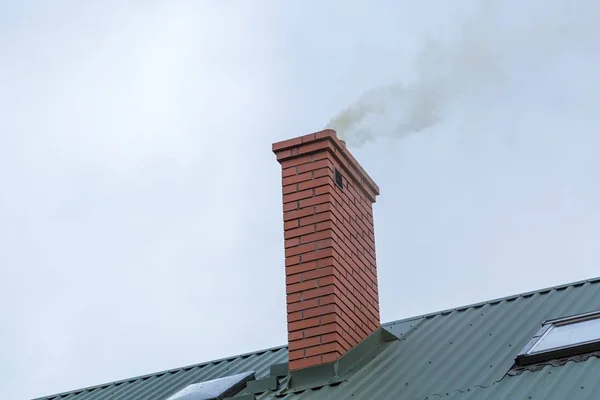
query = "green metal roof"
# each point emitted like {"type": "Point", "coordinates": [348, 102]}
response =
{"type": "Point", "coordinates": [463, 353]}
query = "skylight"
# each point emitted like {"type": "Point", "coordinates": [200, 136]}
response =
{"type": "Point", "coordinates": [216, 389]}
{"type": "Point", "coordinates": [563, 337]}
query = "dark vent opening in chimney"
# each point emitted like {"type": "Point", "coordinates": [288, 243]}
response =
{"type": "Point", "coordinates": [338, 178]}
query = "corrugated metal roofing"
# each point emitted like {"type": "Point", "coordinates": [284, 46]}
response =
{"type": "Point", "coordinates": [464, 353]}
{"type": "Point", "coordinates": [160, 386]}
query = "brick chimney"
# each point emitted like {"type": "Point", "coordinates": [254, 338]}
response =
{"type": "Point", "coordinates": [330, 267]}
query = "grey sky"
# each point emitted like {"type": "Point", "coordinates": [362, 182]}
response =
{"type": "Point", "coordinates": [140, 214]}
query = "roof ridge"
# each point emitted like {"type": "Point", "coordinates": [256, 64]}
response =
{"type": "Point", "coordinates": [495, 301]}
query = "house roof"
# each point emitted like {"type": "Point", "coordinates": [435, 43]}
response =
{"type": "Point", "coordinates": [461, 353]}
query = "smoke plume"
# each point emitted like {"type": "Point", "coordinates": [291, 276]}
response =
{"type": "Point", "coordinates": [497, 40]}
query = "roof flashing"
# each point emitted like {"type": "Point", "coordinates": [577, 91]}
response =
{"type": "Point", "coordinates": [338, 371]}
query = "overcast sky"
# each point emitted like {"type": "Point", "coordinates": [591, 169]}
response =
{"type": "Point", "coordinates": [140, 208]}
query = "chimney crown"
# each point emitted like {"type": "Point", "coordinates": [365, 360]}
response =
{"type": "Point", "coordinates": [330, 264]}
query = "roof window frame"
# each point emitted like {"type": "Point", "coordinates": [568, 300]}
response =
{"type": "Point", "coordinates": [528, 355]}
{"type": "Point", "coordinates": [211, 390]}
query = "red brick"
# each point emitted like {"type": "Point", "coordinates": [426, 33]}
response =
{"type": "Point", "coordinates": [315, 255]}
{"type": "Point", "coordinates": [289, 261]}
{"type": "Point", "coordinates": [290, 279]}
{"type": "Point", "coordinates": [286, 143]}
{"type": "Point", "coordinates": [334, 337]}
{"type": "Point", "coordinates": [294, 179]}
{"type": "Point", "coordinates": [295, 316]}
{"type": "Point", "coordinates": [373, 293]}
{"type": "Point", "coordinates": [323, 310]}
{"type": "Point", "coordinates": [296, 335]}
{"type": "Point", "coordinates": [319, 208]}
{"type": "Point", "coordinates": [295, 355]}
{"type": "Point", "coordinates": [304, 343]}
{"type": "Point", "coordinates": [291, 224]}
{"type": "Point", "coordinates": [325, 225]}
{"type": "Point", "coordinates": [291, 206]}
{"type": "Point", "coordinates": [326, 262]}
{"type": "Point", "coordinates": [290, 233]}
{"type": "Point", "coordinates": [305, 248]}
{"type": "Point", "coordinates": [322, 291]}
{"type": "Point", "coordinates": [330, 337]}
{"type": "Point", "coordinates": [345, 309]}
{"type": "Point", "coordinates": [326, 133]}
{"type": "Point", "coordinates": [294, 297]}
{"type": "Point", "coordinates": [313, 201]}
{"type": "Point", "coordinates": [359, 328]}
{"type": "Point", "coordinates": [299, 287]}
{"type": "Point", "coordinates": [328, 318]}
{"type": "Point", "coordinates": [318, 273]}
{"type": "Point", "coordinates": [311, 137]}
{"type": "Point", "coordinates": [322, 244]}
{"type": "Point", "coordinates": [315, 183]}
{"type": "Point", "coordinates": [354, 335]}
{"type": "Point", "coordinates": [292, 242]}
{"type": "Point", "coordinates": [324, 172]}
{"type": "Point", "coordinates": [323, 349]}
{"type": "Point", "coordinates": [312, 237]}
{"type": "Point", "coordinates": [304, 324]}
{"type": "Point", "coordinates": [302, 305]}
{"type": "Point", "coordinates": [289, 189]}
{"type": "Point", "coordinates": [324, 189]}
{"type": "Point", "coordinates": [302, 212]}
{"type": "Point", "coordinates": [305, 363]}
{"type": "Point", "coordinates": [289, 172]}
{"type": "Point", "coordinates": [330, 357]}
{"type": "Point", "coordinates": [317, 146]}
{"type": "Point", "coordinates": [323, 163]}
{"type": "Point", "coordinates": [326, 281]}
{"type": "Point", "coordinates": [322, 330]}
{"type": "Point", "coordinates": [283, 154]}
{"type": "Point", "coordinates": [315, 219]}
{"type": "Point", "coordinates": [297, 269]}
{"type": "Point", "coordinates": [298, 195]}
{"type": "Point", "coordinates": [329, 299]}
{"type": "Point", "coordinates": [306, 158]}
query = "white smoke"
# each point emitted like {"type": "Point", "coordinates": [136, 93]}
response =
{"type": "Point", "coordinates": [494, 41]}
